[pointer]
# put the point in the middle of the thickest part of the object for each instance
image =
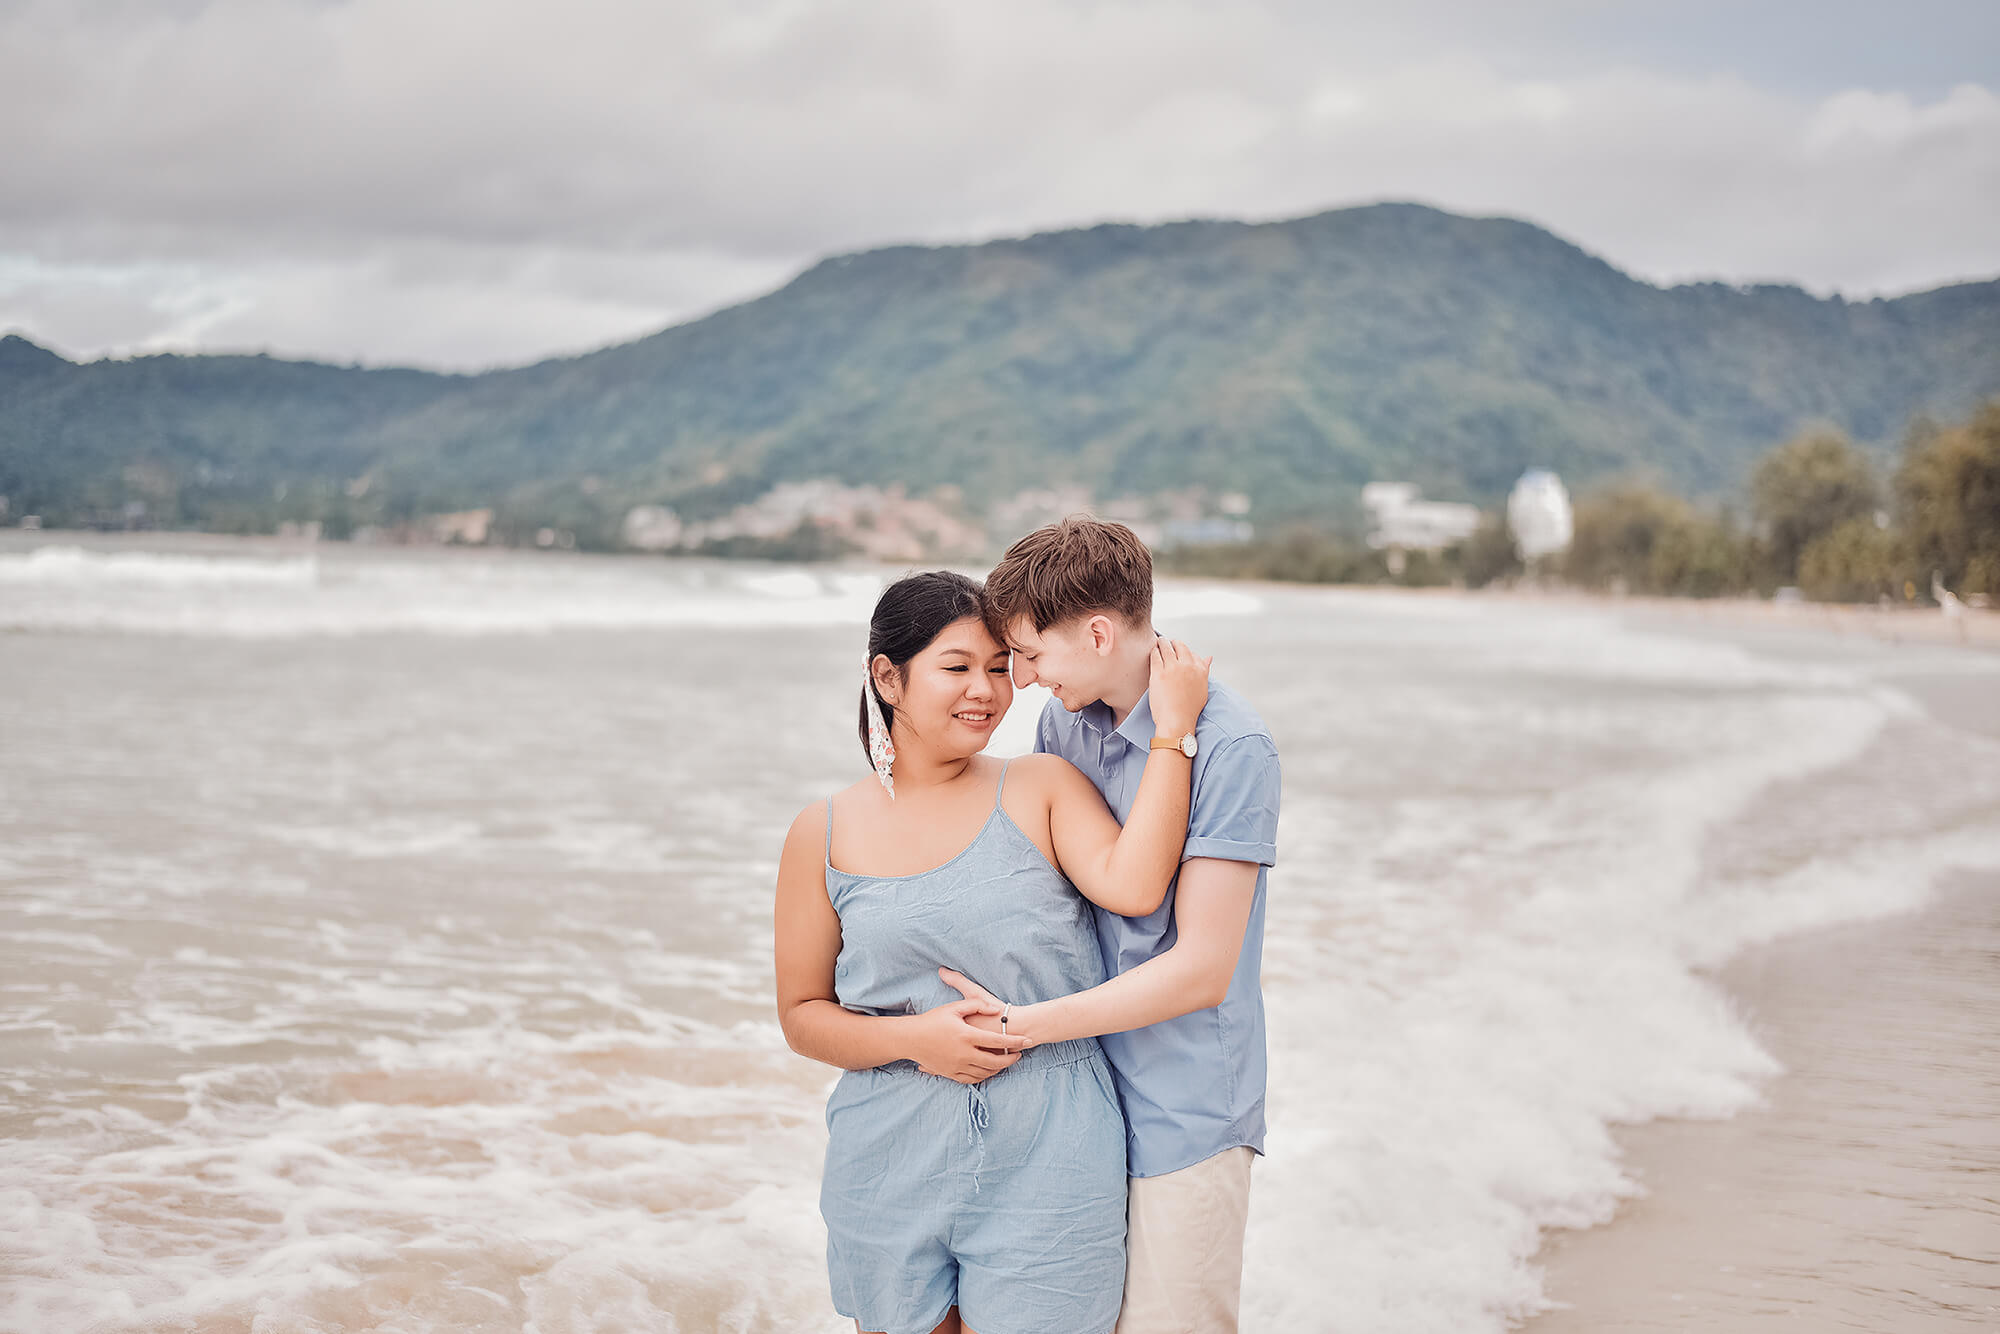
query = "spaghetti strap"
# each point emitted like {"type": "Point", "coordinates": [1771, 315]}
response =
{"type": "Point", "coordinates": [827, 856]}
{"type": "Point", "coordinates": [998, 788]}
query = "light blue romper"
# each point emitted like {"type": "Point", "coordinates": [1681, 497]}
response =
{"type": "Point", "coordinates": [1004, 1198]}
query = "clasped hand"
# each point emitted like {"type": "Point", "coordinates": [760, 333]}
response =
{"type": "Point", "coordinates": [948, 1041]}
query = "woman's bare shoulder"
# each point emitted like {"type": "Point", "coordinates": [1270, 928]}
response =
{"type": "Point", "coordinates": [808, 823]}
{"type": "Point", "coordinates": [1040, 769]}
{"type": "Point", "coordinates": [812, 820]}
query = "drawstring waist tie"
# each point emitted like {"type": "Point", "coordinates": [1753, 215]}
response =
{"type": "Point", "coordinates": [977, 1119]}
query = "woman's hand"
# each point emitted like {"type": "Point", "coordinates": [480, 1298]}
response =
{"type": "Point", "coordinates": [1176, 687]}
{"type": "Point", "coordinates": [943, 1041]}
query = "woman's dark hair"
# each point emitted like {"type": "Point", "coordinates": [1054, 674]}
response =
{"type": "Point", "coordinates": [911, 613]}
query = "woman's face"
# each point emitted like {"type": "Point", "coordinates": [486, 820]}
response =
{"type": "Point", "coordinates": [957, 691]}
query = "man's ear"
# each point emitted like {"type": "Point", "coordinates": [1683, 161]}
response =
{"type": "Point", "coordinates": [1103, 635]}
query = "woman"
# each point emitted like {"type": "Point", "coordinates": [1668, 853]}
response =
{"type": "Point", "coordinates": [991, 1201]}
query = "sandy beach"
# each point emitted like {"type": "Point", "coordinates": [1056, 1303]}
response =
{"type": "Point", "coordinates": [1861, 1194]}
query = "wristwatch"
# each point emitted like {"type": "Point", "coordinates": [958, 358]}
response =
{"type": "Point", "coordinates": [1184, 744]}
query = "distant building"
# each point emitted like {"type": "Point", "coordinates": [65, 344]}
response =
{"type": "Point", "coordinates": [651, 528]}
{"type": "Point", "coordinates": [1213, 531]}
{"type": "Point", "coordinates": [883, 523]}
{"type": "Point", "coordinates": [1027, 510]}
{"type": "Point", "coordinates": [1538, 513]}
{"type": "Point", "coordinates": [466, 526]}
{"type": "Point", "coordinates": [1398, 518]}
{"type": "Point", "coordinates": [1161, 519]}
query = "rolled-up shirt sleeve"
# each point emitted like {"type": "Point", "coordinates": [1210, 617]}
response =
{"type": "Point", "coordinates": [1235, 815]}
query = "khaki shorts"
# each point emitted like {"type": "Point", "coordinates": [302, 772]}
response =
{"type": "Point", "coordinates": [1184, 1247]}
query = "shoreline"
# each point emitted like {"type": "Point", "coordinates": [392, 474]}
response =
{"type": "Point", "coordinates": [1858, 1193]}
{"type": "Point", "coordinates": [1972, 627]}
{"type": "Point", "coordinates": [1852, 1195]}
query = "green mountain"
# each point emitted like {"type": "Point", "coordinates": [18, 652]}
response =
{"type": "Point", "coordinates": [1291, 360]}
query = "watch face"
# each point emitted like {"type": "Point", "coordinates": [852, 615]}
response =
{"type": "Point", "coordinates": [1187, 745]}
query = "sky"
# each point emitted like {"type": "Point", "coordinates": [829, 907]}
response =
{"type": "Point", "coordinates": [467, 183]}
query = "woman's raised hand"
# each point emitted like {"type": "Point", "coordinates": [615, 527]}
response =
{"type": "Point", "coordinates": [944, 1042]}
{"type": "Point", "coordinates": [1177, 687]}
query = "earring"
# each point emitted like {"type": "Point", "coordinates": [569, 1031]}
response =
{"type": "Point", "coordinates": [881, 750]}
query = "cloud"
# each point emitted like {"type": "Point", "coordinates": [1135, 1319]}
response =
{"type": "Point", "coordinates": [462, 184]}
{"type": "Point", "coordinates": [451, 306]}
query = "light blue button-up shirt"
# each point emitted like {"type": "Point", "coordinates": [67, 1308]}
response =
{"type": "Point", "coordinates": [1193, 1086]}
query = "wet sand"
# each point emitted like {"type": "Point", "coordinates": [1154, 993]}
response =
{"type": "Point", "coordinates": [1968, 627]}
{"type": "Point", "coordinates": [1865, 1193]}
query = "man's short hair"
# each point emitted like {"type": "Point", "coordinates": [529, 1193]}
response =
{"type": "Point", "coordinates": [1078, 566]}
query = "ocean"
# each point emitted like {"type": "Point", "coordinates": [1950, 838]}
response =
{"type": "Point", "coordinates": [385, 933]}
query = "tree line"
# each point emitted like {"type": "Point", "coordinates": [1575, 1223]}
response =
{"type": "Point", "coordinates": [1821, 516]}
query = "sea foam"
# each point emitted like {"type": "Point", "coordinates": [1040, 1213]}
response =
{"type": "Point", "coordinates": [360, 591]}
{"type": "Point", "coordinates": [73, 567]}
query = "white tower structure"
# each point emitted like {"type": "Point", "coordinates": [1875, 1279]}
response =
{"type": "Point", "coordinates": [1538, 513]}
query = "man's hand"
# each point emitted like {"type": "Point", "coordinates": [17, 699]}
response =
{"type": "Point", "coordinates": [1176, 687]}
{"type": "Point", "coordinates": [945, 1042]}
{"type": "Point", "coordinates": [988, 1017]}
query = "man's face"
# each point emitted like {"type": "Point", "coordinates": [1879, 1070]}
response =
{"type": "Point", "coordinates": [1070, 659]}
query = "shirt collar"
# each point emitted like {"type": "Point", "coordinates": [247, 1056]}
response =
{"type": "Point", "coordinates": [1138, 728]}
{"type": "Point", "coordinates": [1095, 715]}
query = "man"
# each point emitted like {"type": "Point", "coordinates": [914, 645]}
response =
{"type": "Point", "coordinates": [1184, 1012]}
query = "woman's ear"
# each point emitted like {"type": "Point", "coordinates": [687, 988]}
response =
{"type": "Point", "coordinates": [886, 684]}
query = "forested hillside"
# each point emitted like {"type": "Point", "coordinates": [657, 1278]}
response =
{"type": "Point", "coordinates": [1292, 361]}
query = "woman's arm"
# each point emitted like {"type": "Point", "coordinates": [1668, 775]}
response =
{"type": "Point", "coordinates": [1127, 870]}
{"type": "Point", "coordinates": [807, 945]}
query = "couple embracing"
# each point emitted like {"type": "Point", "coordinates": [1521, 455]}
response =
{"type": "Point", "coordinates": [1040, 975]}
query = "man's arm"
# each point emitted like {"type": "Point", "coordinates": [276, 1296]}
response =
{"type": "Point", "coordinates": [1211, 915]}
{"type": "Point", "coordinates": [1233, 832]}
